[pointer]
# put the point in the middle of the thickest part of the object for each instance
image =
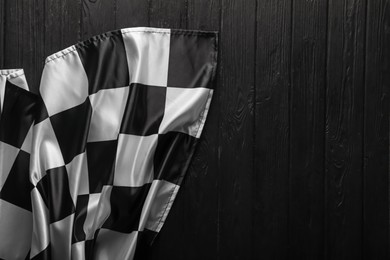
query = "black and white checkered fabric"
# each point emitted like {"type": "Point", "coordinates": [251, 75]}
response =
{"type": "Point", "coordinates": [122, 115]}
{"type": "Point", "coordinates": [18, 107]}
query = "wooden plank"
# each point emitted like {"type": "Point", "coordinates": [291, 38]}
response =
{"type": "Point", "coordinates": [24, 34]}
{"type": "Point", "coordinates": [344, 110]}
{"type": "Point", "coordinates": [270, 181]}
{"type": "Point", "coordinates": [376, 132]}
{"type": "Point", "coordinates": [132, 13]}
{"type": "Point", "coordinates": [2, 39]}
{"type": "Point", "coordinates": [306, 233]}
{"type": "Point", "coordinates": [11, 42]}
{"type": "Point", "coordinates": [62, 24]}
{"type": "Point", "coordinates": [168, 14]}
{"type": "Point", "coordinates": [204, 15]}
{"type": "Point", "coordinates": [236, 128]}
{"type": "Point", "coordinates": [98, 16]}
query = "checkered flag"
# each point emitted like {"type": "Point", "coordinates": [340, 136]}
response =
{"type": "Point", "coordinates": [122, 115]}
{"type": "Point", "coordinates": [18, 108]}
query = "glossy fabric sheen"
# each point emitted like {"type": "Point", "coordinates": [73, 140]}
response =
{"type": "Point", "coordinates": [17, 113]}
{"type": "Point", "coordinates": [122, 114]}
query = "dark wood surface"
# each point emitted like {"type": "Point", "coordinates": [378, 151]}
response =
{"type": "Point", "coordinates": [344, 125]}
{"type": "Point", "coordinates": [294, 159]}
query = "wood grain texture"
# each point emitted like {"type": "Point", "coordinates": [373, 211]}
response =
{"type": "Point", "coordinates": [132, 13]}
{"type": "Point", "coordinates": [204, 15]}
{"type": "Point", "coordinates": [62, 24]}
{"type": "Point", "coordinates": [376, 131]}
{"type": "Point", "coordinates": [294, 159]}
{"type": "Point", "coordinates": [98, 16]}
{"type": "Point", "coordinates": [270, 178]}
{"type": "Point", "coordinates": [168, 14]}
{"type": "Point", "coordinates": [2, 39]}
{"type": "Point", "coordinates": [236, 149]}
{"type": "Point", "coordinates": [344, 136]}
{"type": "Point", "coordinates": [24, 34]}
{"type": "Point", "coordinates": [307, 117]}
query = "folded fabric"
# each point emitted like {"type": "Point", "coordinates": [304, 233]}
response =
{"type": "Point", "coordinates": [122, 113]}
{"type": "Point", "coordinates": [18, 107]}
